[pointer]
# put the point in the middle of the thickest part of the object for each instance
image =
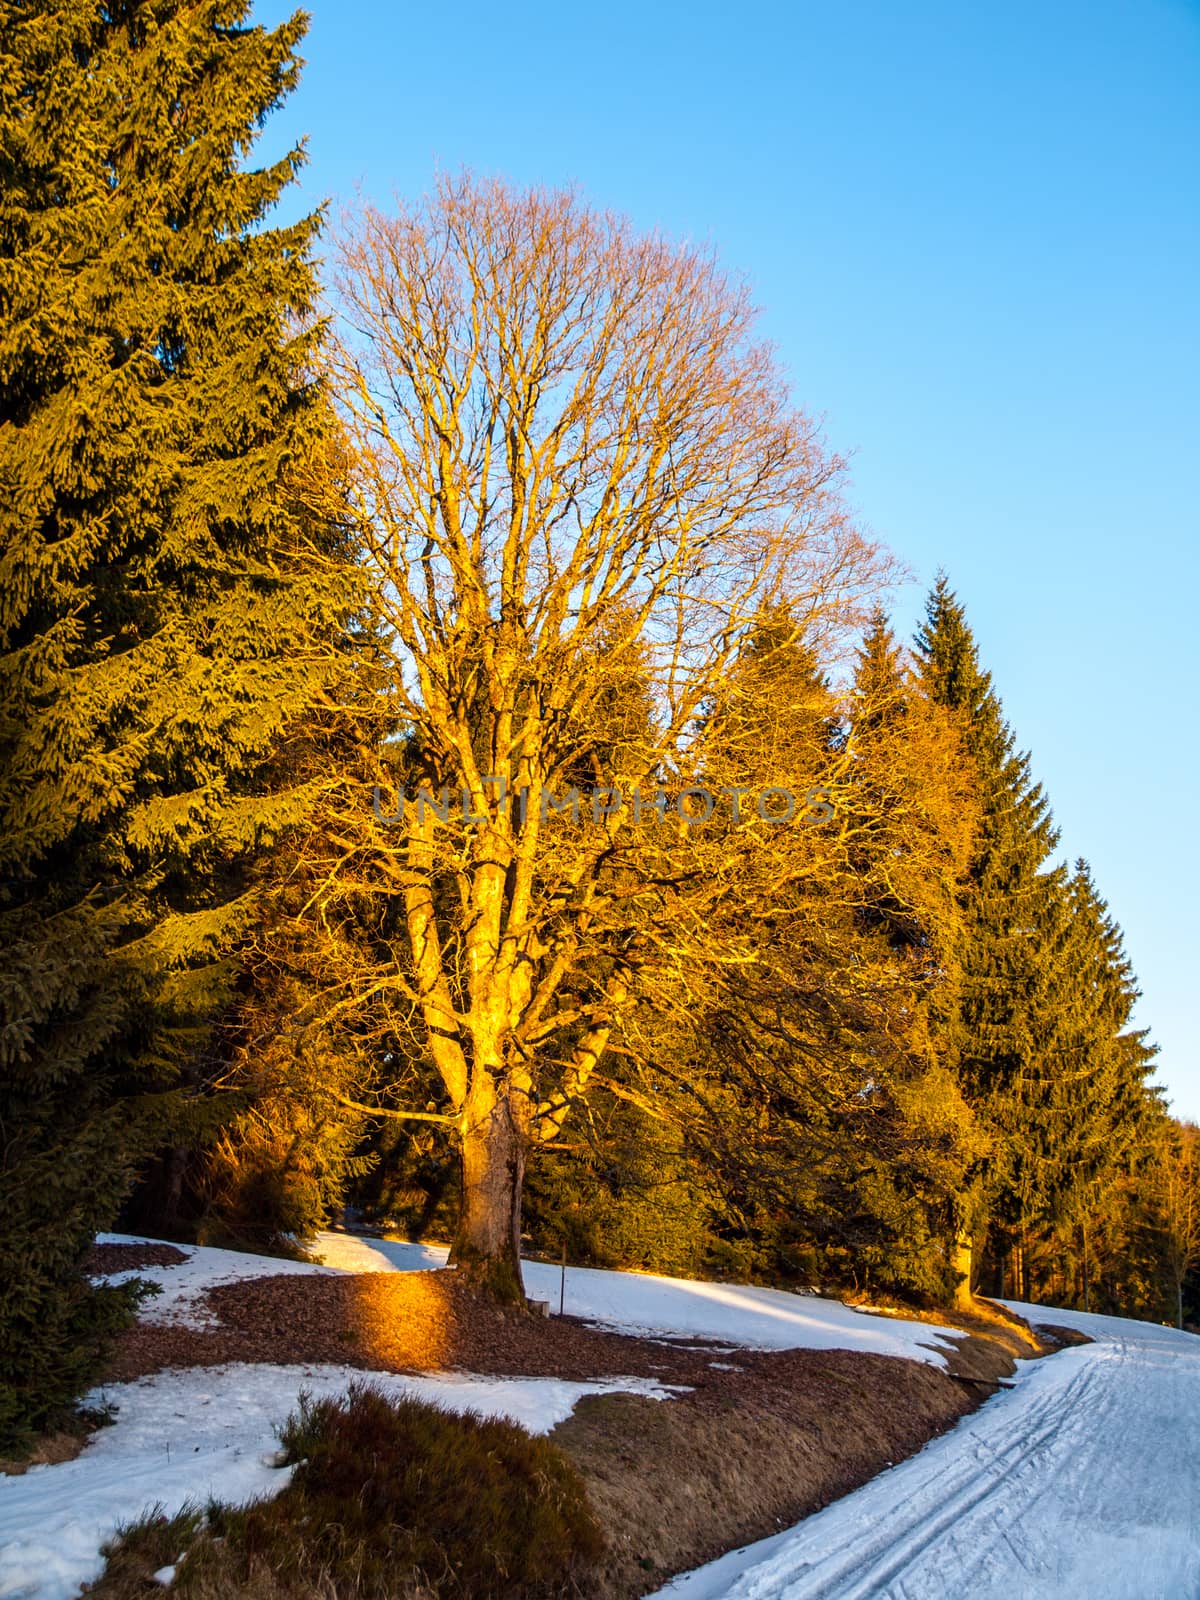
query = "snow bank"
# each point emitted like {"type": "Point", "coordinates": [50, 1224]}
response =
{"type": "Point", "coordinates": [641, 1303]}
{"type": "Point", "coordinates": [183, 1437]}
{"type": "Point", "coordinates": [1120, 1329]}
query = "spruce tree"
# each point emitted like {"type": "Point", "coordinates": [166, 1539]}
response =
{"type": "Point", "coordinates": [913, 802]}
{"type": "Point", "coordinates": [1010, 906]}
{"type": "Point", "coordinates": [837, 1137]}
{"type": "Point", "coordinates": [1093, 1103]}
{"type": "Point", "coordinates": [1042, 1035]}
{"type": "Point", "coordinates": [913, 812]}
{"type": "Point", "coordinates": [168, 605]}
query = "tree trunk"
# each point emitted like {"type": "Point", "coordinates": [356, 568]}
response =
{"type": "Point", "coordinates": [960, 1261]}
{"type": "Point", "coordinates": [487, 1243]}
{"type": "Point", "coordinates": [174, 1168]}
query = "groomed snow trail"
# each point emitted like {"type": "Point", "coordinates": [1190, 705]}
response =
{"type": "Point", "coordinates": [1084, 1479]}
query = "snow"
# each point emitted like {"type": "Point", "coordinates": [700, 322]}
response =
{"type": "Point", "coordinates": [1081, 1480]}
{"type": "Point", "coordinates": [737, 1315]}
{"type": "Point", "coordinates": [182, 1437]}
{"type": "Point", "coordinates": [183, 1284]}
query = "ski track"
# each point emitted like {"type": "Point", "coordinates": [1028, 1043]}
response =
{"type": "Point", "coordinates": [1084, 1479]}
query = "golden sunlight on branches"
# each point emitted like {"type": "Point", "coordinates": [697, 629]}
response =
{"type": "Point", "coordinates": [579, 482]}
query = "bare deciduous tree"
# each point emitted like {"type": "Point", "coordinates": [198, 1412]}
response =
{"type": "Point", "coordinates": [579, 479]}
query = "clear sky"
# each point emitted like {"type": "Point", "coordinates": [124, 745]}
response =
{"type": "Point", "coordinates": [974, 232]}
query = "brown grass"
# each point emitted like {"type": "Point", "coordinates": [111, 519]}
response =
{"type": "Point", "coordinates": [678, 1484]}
{"type": "Point", "coordinates": [64, 1444]}
{"type": "Point", "coordinates": [440, 1506]}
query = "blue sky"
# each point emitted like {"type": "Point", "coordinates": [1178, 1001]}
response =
{"type": "Point", "coordinates": [974, 232]}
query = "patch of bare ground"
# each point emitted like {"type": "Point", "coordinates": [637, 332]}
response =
{"type": "Point", "coordinates": [989, 1339]}
{"type": "Point", "coordinates": [64, 1444]}
{"type": "Point", "coordinates": [396, 1322]}
{"type": "Point", "coordinates": [990, 1320]}
{"type": "Point", "coordinates": [61, 1443]}
{"type": "Point", "coordinates": [1059, 1337]}
{"type": "Point", "coordinates": [105, 1258]}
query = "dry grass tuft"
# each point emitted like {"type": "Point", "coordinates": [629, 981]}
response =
{"type": "Point", "coordinates": [389, 1500]}
{"type": "Point", "coordinates": [47, 1451]}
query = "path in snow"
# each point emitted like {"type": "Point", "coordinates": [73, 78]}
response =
{"type": "Point", "coordinates": [1082, 1480]}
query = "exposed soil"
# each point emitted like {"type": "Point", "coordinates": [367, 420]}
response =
{"type": "Point", "coordinates": [430, 1321]}
{"type": "Point", "coordinates": [1060, 1337]}
{"type": "Point", "coordinates": [105, 1258]}
{"type": "Point", "coordinates": [407, 1322]}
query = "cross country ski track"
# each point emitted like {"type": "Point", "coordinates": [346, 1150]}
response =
{"type": "Point", "coordinates": [1083, 1479]}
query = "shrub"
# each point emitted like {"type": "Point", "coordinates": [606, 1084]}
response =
{"type": "Point", "coordinates": [389, 1500]}
{"type": "Point", "coordinates": [53, 1342]}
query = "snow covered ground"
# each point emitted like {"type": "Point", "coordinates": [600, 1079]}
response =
{"type": "Point", "coordinates": [1084, 1479]}
{"type": "Point", "coordinates": [630, 1302]}
{"type": "Point", "coordinates": [183, 1285]}
{"type": "Point", "coordinates": [641, 1303]}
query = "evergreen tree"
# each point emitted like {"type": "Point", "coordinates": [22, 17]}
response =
{"type": "Point", "coordinates": [914, 807]}
{"type": "Point", "coordinates": [169, 607]}
{"type": "Point", "coordinates": [1008, 905]}
{"type": "Point", "coordinates": [1091, 1111]}
{"type": "Point", "coordinates": [1041, 1032]}
{"type": "Point", "coordinates": [838, 1136]}
{"type": "Point", "coordinates": [912, 812]}
{"type": "Point", "coordinates": [1087, 1106]}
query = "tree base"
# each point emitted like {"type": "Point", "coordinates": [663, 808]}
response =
{"type": "Point", "coordinates": [495, 1276]}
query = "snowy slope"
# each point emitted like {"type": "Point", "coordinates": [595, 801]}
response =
{"type": "Point", "coordinates": [641, 1303]}
{"type": "Point", "coordinates": [187, 1435]}
{"type": "Point", "coordinates": [1082, 1480]}
{"type": "Point", "coordinates": [183, 1437]}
